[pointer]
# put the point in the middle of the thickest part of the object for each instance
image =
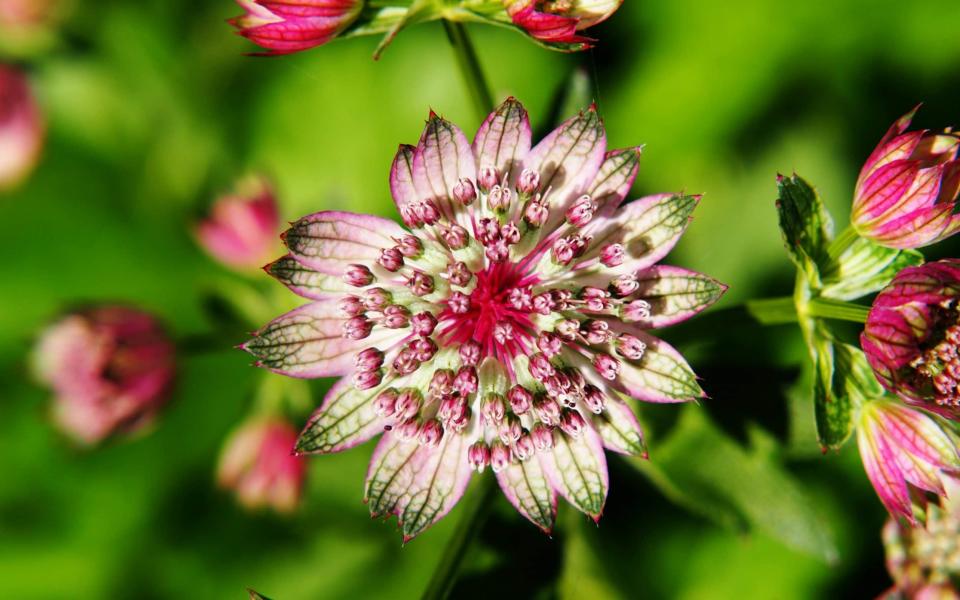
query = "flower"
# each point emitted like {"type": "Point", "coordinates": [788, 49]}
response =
{"type": "Point", "coordinates": [905, 449]}
{"type": "Point", "coordinates": [242, 228]}
{"type": "Point", "coordinates": [21, 128]}
{"type": "Point", "coordinates": [505, 326]}
{"type": "Point", "coordinates": [29, 26]}
{"type": "Point", "coordinates": [557, 22]}
{"type": "Point", "coordinates": [924, 562]}
{"type": "Point", "coordinates": [288, 26]}
{"type": "Point", "coordinates": [110, 368]}
{"type": "Point", "coordinates": [912, 333]}
{"type": "Point", "coordinates": [258, 464]}
{"type": "Point", "coordinates": [907, 190]}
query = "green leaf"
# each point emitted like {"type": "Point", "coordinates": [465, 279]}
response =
{"type": "Point", "coordinates": [805, 225]}
{"type": "Point", "coordinates": [698, 466]}
{"type": "Point", "coordinates": [864, 268]}
{"type": "Point", "coordinates": [843, 381]}
{"type": "Point", "coordinates": [584, 571]}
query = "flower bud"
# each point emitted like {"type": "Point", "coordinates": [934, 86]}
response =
{"type": "Point", "coordinates": [542, 436]}
{"type": "Point", "coordinates": [391, 259]}
{"type": "Point", "coordinates": [368, 359]}
{"type": "Point", "coordinates": [358, 276]}
{"type": "Point", "coordinates": [521, 400]}
{"type": "Point", "coordinates": [466, 380]}
{"type": "Point", "coordinates": [499, 457]}
{"type": "Point", "coordinates": [558, 23]}
{"type": "Point", "coordinates": [385, 404]}
{"type": "Point", "coordinates": [459, 303]}
{"type": "Point", "coordinates": [612, 255]}
{"type": "Point", "coordinates": [572, 423]}
{"type": "Point", "coordinates": [430, 434]}
{"type": "Point", "coordinates": [470, 353]}
{"type": "Point", "coordinates": [376, 299]}
{"type": "Point", "coordinates": [455, 236]}
{"type": "Point", "coordinates": [607, 366]}
{"type": "Point", "coordinates": [21, 128]}
{"type": "Point", "coordinates": [524, 447]}
{"type": "Point", "coordinates": [110, 369]}
{"type": "Point", "coordinates": [464, 192]}
{"type": "Point", "coordinates": [493, 409]}
{"type": "Point", "coordinates": [488, 178]}
{"type": "Point", "coordinates": [396, 316]}
{"type": "Point", "coordinates": [630, 346]}
{"type": "Point", "coordinates": [259, 466]}
{"type": "Point", "coordinates": [410, 246]}
{"type": "Point", "coordinates": [478, 456]}
{"type": "Point", "coordinates": [365, 380]}
{"type": "Point", "coordinates": [528, 182]}
{"type": "Point", "coordinates": [581, 211]}
{"type": "Point", "coordinates": [287, 26]}
{"type": "Point", "coordinates": [350, 306]}
{"type": "Point", "coordinates": [423, 324]}
{"type": "Point", "coordinates": [420, 283]}
{"type": "Point", "coordinates": [408, 404]}
{"type": "Point", "coordinates": [241, 230]}
{"type": "Point", "coordinates": [535, 213]}
{"type": "Point", "coordinates": [357, 328]}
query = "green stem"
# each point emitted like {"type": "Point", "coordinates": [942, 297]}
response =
{"type": "Point", "coordinates": [453, 555]}
{"type": "Point", "coordinates": [843, 241]}
{"type": "Point", "coordinates": [773, 311]}
{"type": "Point", "coordinates": [825, 308]}
{"type": "Point", "coordinates": [470, 67]}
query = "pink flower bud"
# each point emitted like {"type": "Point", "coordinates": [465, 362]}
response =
{"type": "Point", "coordinates": [543, 304]}
{"type": "Point", "coordinates": [636, 310]}
{"type": "Point", "coordinates": [358, 276]}
{"type": "Point", "coordinates": [391, 259]}
{"type": "Point", "coordinates": [542, 436]}
{"type": "Point", "coordinates": [427, 212]}
{"type": "Point", "coordinates": [466, 381]}
{"type": "Point", "coordinates": [612, 255]}
{"type": "Point", "coordinates": [497, 252]}
{"type": "Point", "coordinates": [350, 306]}
{"type": "Point", "coordinates": [478, 456]}
{"type": "Point", "coordinates": [357, 328]}
{"type": "Point", "coordinates": [488, 231]}
{"type": "Point", "coordinates": [528, 182]}
{"type": "Point", "coordinates": [420, 283]}
{"type": "Point", "coordinates": [568, 248]}
{"type": "Point", "coordinates": [287, 26]}
{"type": "Point", "coordinates": [540, 367]}
{"type": "Point", "coordinates": [499, 198]}
{"type": "Point", "coordinates": [396, 316]}
{"type": "Point", "coordinates": [430, 434]}
{"type": "Point", "coordinates": [410, 246]}
{"type": "Point", "coordinates": [509, 429]}
{"type": "Point", "coordinates": [581, 211]}
{"type": "Point", "coordinates": [385, 404]}
{"type": "Point", "coordinates": [408, 404]}
{"type": "Point", "coordinates": [406, 362]}
{"type": "Point", "coordinates": [524, 447]}
{"type": "Point", "coordinates": [451, 408]}
{"type": "Point", "coordinates": [630, 346]}
{"type": "Point", "coordinates": [409, 429]}
{"type": "Point", "coordinates": [559, 23]}
{"type": "Point", "coordinates": [624, 285]}
{"type": "Point", "coordinates": [423, 348]}
{"type": "Point", "coordinates": [21, 128]}
{"type": "Point", "coordinates": [488, 178]}
{"type": "Point", "coordinates": [493, 409]}
{"type": "Point", "coordinates": [465, 192]}
{"type": "Point", "coordinates": [597, 332]}
{"type": "Point", "coordinates": [535, 213]}
{"type": "Point", "coordinates": [568, 329]}
{"type": "Point", "coordinates": [521, 400]}
{"type": "Point", "coordinates": [547, 410]}
{"type": "Point", "coordinates": [459, 303]}
{"type": "Point", "coordinates": [470, 353]}
{"type": "Point", "coordinates": [520, 298]}
{"type": "Point", "coordinates": [376, 299]}
{"type": "Point", "coordinates": [455, 236]}
{"type": "Point", "coordinates": [499, 457]}
{"type": "Point", "coordinates": [549, 344]}
{"type": "Point", "coordinates": [503, 332]}
{"type": "Point", "coordinates": [458, 273]}
{"type": "Point", "coordinates": [572, 423]}
{"type": "Point", "coordinates": [441, 383]}
{"type": "Point", "coordinates": [607, 366]}
{"type": "Point", "coordinates": [368, 359]}
{"type": "Point", "coordinates": [110, 368]}
{"type": "Point", "coordinates": [423, 324]}
{"type": "Point", "coordinates": [257, 463]}
{"type": "Point", "coordinates": [241, 230]}
{"type": "Point", "coordinates": [594, 399]}
{"type": "Point", "coordinates": [365, 380]}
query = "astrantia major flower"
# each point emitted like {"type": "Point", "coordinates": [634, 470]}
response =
{"type": "Point", "coordinates": [907, 190]}
{"type": "Point", "coordinates": [505, 326]}
{"type": "Point", "coordinates": [287, 26]}
{"type": "Point", "coordinates": [559, 22]}
{"type": "Point", "coordinates": [912, 336]}
{"type": "Point", "coordinates": [905, 450]}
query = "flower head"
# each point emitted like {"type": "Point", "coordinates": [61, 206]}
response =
{"type": "Point", "coordinates": [242, 228]}
{"type": "Point", "coordinates": [110, 368]}
{"type": "Point", "coordinates": [21, 128]}
{"type": "Point", "coordinates": [259, 465]}
{"type": "Point", "coordinates": [502, 340]}
{"type": "Point", "coordinates": [905, 449]}
{"type": "Point", "coordinates": [558, 22]}
{"type": "Point", "coordinates": [924, 562]}
{"type": "Point", "coordinates": [287, 26]}
{"type": "Point", "coordinates": [907, 190]}
{"type": "Point", "coordinates": [912, 336]}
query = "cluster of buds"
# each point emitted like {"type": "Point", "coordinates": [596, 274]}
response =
{"type": "Point", "coordinates": [258, 464]}
{"type": "Point", "coordinates": [906, 194]}
{"type": "Point", "coordinates": [110, 368]}
{"type": "Point", "coordinates": [241, 229]}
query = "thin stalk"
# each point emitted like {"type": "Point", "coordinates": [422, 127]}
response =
{"type": "Point", "coordinates": [825, 308]}
{"type": "Point", "coordinates": [843, 241]}
{"type": "Point", "coordinates": [456, 551]}
{"type": "Point", "coordinates": [470, 67]}
{"type": "Point", "coordinates": [773, 311]}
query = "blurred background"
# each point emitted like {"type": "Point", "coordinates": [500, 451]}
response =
{"type": "Point", "coordinates": [152, 110]}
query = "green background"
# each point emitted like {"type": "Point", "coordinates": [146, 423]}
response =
{"type": "Point", "coordinates": [153, 110]}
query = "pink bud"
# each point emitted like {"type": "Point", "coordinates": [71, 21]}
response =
{"type": "Point", "coordinates": [510, 233]}
{"type": "Point", "coordinates": [257, 463]}
{"type": "Point", "coordinates": [630, 346]}
{"type": "Point", "coordinates": [572, 423]}
{"type": "Point", "coordinates": [409, 429]}
{"type": "Point", "coordinates": [509, 429]}
{"type": "Point", "coordinates": [520, 298]}
{"type": "Point", "coordinates": [503, 332]}
{"type": "Point", "coordinates": [410, 246]}
{"type": "Point", "coordinates": [441, 383]}
{"type": "Point", "coordinates": [607, 366]}
{"type": "Point", "coordinates": [427, 211]}
{"type": "Point", "coordinates": [597, 332]}
{"type": "Point", "coordinates": [535, 213]}
{"type": "Point", "coordinates": [350, 306]}
{"type": "Point", "coordinates": [430, 434]}
{"type": "Point", "coordinates": [528, 182]}
{"type": "Point", "coordinates": [420, 283]}
{"type": "Point", "coordinates": [406, 362]}
{"type": "Point", "coordinates": [493, 409]}
{"type": "Point", "coordinates": [540, 367]}
{"type": "Point", "coordinates": [478, 456]}
{"type": "Point", "coordinates": [385, 404]}
{"type": "Point", "coordinates": [470, 353]}
{"type": "Point", "coordinates": [488, 178]}
{"type": "Point", "coordinates": [376, 298]}
{"type": "Point", "coordinates": [458, 273]}
{"type": "Point", "coordinates": [423, 348]}
{"type": "Point", "coordinates": [466, 381]}
{"type": "Point", "coordinates": [549, 344]}
{"type": "Point", "coordinates": [612, 255]}
{"type": "Point", "coordinates": [464, 192]}
{"type": "Point", "coordinates": [568, 329]}
{"type": "Point", "coordinates": [636, 310]}
{"type": "Point", "coordinates": [543, 303]}
{"type": "Point", "coordinates": [396, 316]}
{"type": "Point", "coordinates": [524, 447]}
{"type": "Point", "coordinates": [542, 436]}
{"type": "Point", "coordinates": [241, 229]}
{"type": "Point", "coordinates": [559, 22]}
{"type": "Point", "coordinates": [423, 324]}
{"type": "Point", "coordinates": [391, 259]}
{"type": "Point", "coordinates": [521, 400]}
{"type": "Point", "coordinates": [499, 198]}
{"type": "Point", "coordinates": [581, 211]}
{"type": "Point", "coordinates": [285, 27]}
{"type": "Point", "coordinates": [547, 410]}
{"type": "Point", "coordinates": [357, 328]}
{"type": "Point", "coordinates": [358, 276]}
{"type": "Point", "coordinates": [408, 404]}
{"type": "Point", "coordinates": [594, 399]}
{"type": "Point", "coordinates": [455, 236]}
{"type": "Point", "coordinates": [368, 359]}
{"type": "Point", "coordinates": [497, 252]}
{"type": "Point", "coordinates": [21, 128]}
{"type": "Point", "coordinates": [624, 285]}
{"type": "Point", "coordinates": [499, 457]}
{"type": "Point", "coordinates": [110, 368]}
{"type": "Point", "coordinates": [459, 303]}
{"type": "Point", "coordinates": [365, 380]}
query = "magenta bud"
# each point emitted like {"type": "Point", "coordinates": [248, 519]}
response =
{"type": "Point", "coordinates": [624, 285]}
{"type": "Point", "coordinates": [391, 259]}
{"type": "Point", "coordinates": [597, 332]}
{"type": "Point", "coordinates": [543, 304]}
{"type": "Point", "coordinates": [409, 429]}
{"type": "Point", "coordinates": [441, 383]}
{"type": "Point", "coordinates": [406, 362]}
{"type": "Point", "coordinates": [594, 399]}
{"type": "Point", "coordinates": [488, 178]}
{"type": "Point", "coordinates": [499, 198]}
{"type": "Point", "coordinates": [466, 381]}
{"type": "Point", "coordinates": [524, 447]}
{"type": "Point", "coordinates": [350, 306]}
{"type": "Point", "coordinates": [455, 236]}
{"type": "Point", "coordinates": [470, 353]}
{"type": "Point", "coordinates": [423, 348]}
{"type": "Point", "coordinates": [357, 328]}
{"type": "Point", "coordinates": [376, 298]}
{"type": "Point", "coordinates": [423, 324]}
{"type": "Point", "coordinates": [459, 303]}
{"type": "Point", "coordinates": [572, 423]}
{"type": "Point", "coordinates": [510, 233]}
{"type": "Point", "coordinates": [581, 211]}
{"type": "Point", "coordinates": [396, 316]}
{"type": "Point", "coordinates": [284, 27]}
{"type": "Point", "coordinates": [612, 255]}
{"type": "Point", "coordinates": [521, 400]}
{"type": "Point", "coordinates": [520, 298]}
{"type": "Point", "coordinates": [528, 182]}
{"type": "Point", "coordinates": [568, 329]}
{"type": "Point", "coordinates": [493, 409]}
{"type": "Point", "coordinates": [365, 380]}
{"type": "Point", "coordinates": [509, 429]}
{"type": "Point", "coordinates": [630, 346]}
{"type": "Point", "coordinates": [535, 213]}
{"type": "Point", "coordinates": [636, 310]}
{"type": "Point", "coordinates": [410, 246]}
{"type": "Point", "coordinates": [420, 283]}
{"type": "Point", "coordinates": [549, 344]}
{"type": "Point", "coordinates": [430, 434]}
{"type": "Point", "coordinates": [358, 276]}
{"type": "Point", "coordinates": [607, 366]}
{"type": "Point", "coordinates": [547, 410]}
{"type": "Point", "coordinates": [464, 192]}
{"type": "Point", "coordinates": [540, 367]}
{"type": "Point", "coordinates": [368, 359]}
{"type": "Point", "coordinates": [241, 228]}
{"type": "Point", "coordinates": [478, 456]}
{"type": "Point", "coordinates": [385, 404]}
{"type": "Point", "coordinates": [542, 436]}
{"type": "Point", "coordinates": [503, 332]}
{"type": "Point", "coordinates": [499, 457]}
{"type": "Point", "coordinates": [408, 404]}
{"type": "Point", "coordinates": [458, 273]}
{"type": "Point", "coordinates": [258, 465]}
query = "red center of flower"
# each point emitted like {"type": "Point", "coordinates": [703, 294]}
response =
{"type": "Point", "coordinates": [492, 319]}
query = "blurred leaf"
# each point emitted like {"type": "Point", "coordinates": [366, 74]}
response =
{"type": "Point", "coordinates": [863, 268]}
{"type": "Point", "coordinates": [730, 484]}
{"type": "Point", "coordinates": [583, 571]}
{"type": "Point", "coordinates": [805, 225]}
{"type": "Point", "coordinates": [254, 595]}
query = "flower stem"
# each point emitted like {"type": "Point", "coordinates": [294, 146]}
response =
{"type": "Point", "coordinates": [470, 67]}
{"type": "Point", "coordinates": [837, 309]}
{"type": "Point", "coordinates": [453, 555]}
{"type": "Point", "coordinates": [843, 241]}
{"type": "Point", "coordinates": [773, 311]}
